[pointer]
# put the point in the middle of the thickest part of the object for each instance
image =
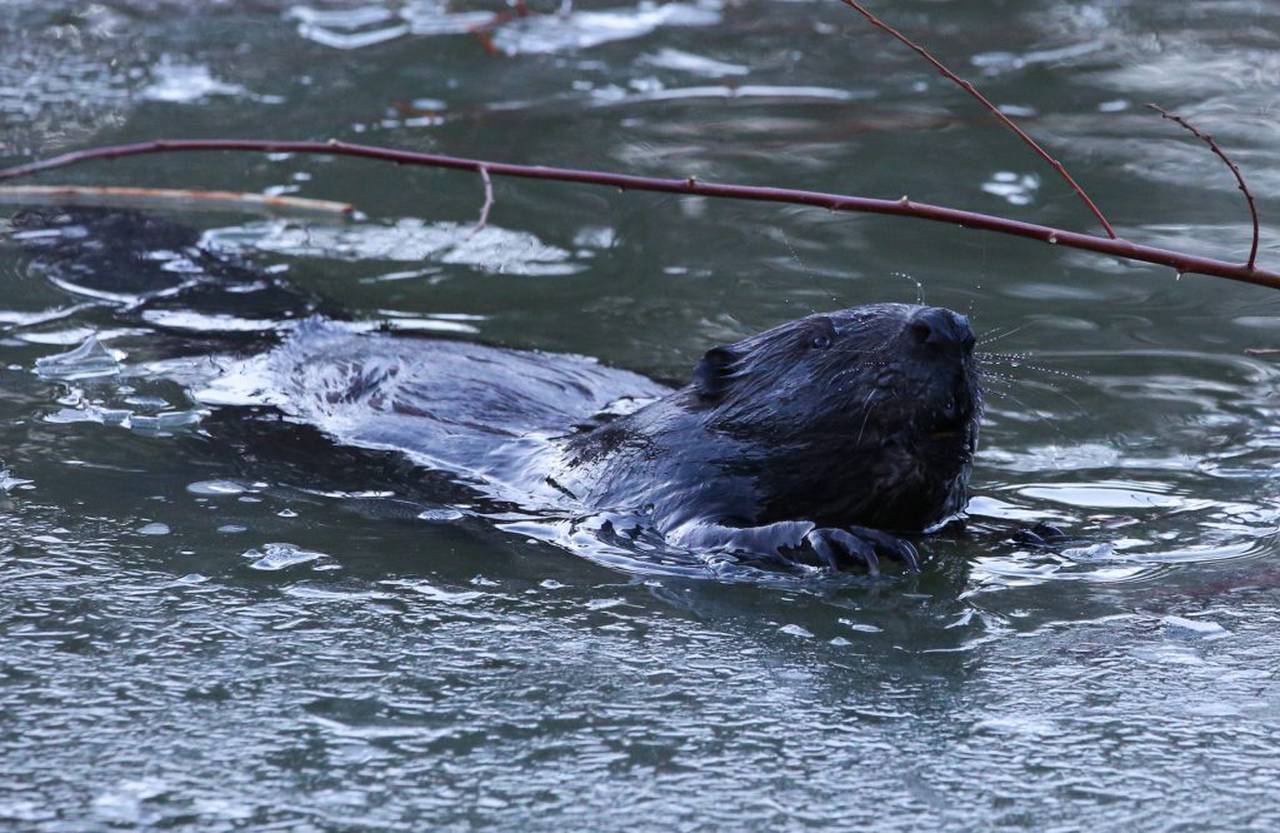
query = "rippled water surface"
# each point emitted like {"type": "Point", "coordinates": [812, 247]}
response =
{"type": "Point", "coordinates": [215, 620]}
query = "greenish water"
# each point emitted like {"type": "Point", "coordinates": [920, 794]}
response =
{"type": "Point", "coordinates": [391, 674]}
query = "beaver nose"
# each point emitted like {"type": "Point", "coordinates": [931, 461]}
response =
{"type": "Point", "coordinates": [942, 329]}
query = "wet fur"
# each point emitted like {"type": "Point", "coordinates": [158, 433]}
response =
{"type": "Point", "coordinates": [855, 431]}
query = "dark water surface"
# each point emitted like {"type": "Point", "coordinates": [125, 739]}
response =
{"type": "Point", "coordinates": [196, 636]}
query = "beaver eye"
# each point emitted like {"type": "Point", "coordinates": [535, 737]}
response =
{"type": "Point", "coordinates": [820, 342]}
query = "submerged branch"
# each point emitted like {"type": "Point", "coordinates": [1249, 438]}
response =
{"type": "Point", "coordinates": [134, 196]}
{"type": "Point", "coordinates": [1221, 154]}
{"type": "Point", "coordinates": [488, 201]}
{"type": "Point", "coordinates": [985, 102]}
{"type": "Point", "coordinates": [903, 207]}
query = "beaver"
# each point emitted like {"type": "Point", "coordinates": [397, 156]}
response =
{"type": "Point", "coordinates": [813, 441]}
{"type": "Point", "coordinates": [818, 441]}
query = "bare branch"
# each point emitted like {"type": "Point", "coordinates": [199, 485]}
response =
{"type": "Point", "coordinates": [1221, 154]}
{"type": "Point", "coordinates": [985, 102]}
{"type": "Point", "coordinates": [902, 207]}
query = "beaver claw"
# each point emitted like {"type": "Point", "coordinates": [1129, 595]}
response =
{"type": "Point", "coordinates": [1041, 536]}
{"type": "Point", "coordinates": [836, 547]}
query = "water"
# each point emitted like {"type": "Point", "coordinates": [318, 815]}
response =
{"type": "Point", "coordinates": [199, 636]}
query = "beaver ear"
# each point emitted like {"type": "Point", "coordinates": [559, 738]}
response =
{"type": "Point", "coordinates": [712, 373]}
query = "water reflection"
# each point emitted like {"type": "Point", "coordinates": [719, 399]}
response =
{"type": "Point", "coordinates": [216, 619]}
{"type": "Point", "coordinates": [489, 248]}
{"type": "Point", "coordinates": [532, 32]}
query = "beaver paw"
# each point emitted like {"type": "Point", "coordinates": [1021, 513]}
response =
{"type": "Point", "coordinates": [837, 547]}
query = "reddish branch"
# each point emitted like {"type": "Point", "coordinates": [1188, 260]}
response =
{"type": "Point", "coordinates": [982, 99]}
{"type": "Point", "coordinates": [1221, 154]}
{"type": "Point", "coordinates": [904, 207]}
{"type": "Point", "coordinates": [484, 31]}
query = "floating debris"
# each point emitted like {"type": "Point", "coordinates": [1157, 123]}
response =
{"type": "Point", "coordinates": [1193, 628]}
{"type": "Point", "coordinates": [87, 361]}
{"type": "Point", "coordinates": [9, 482]}
{"type": "Point", "coordinates": [442, 515]}
{"type": "Point", "coordinates": [273, 557]}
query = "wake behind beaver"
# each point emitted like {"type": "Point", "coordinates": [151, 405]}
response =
{"type": "Point", "coordinates": [816, 442]}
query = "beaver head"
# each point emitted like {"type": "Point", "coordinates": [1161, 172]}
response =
{"type": "Point", "coordinates": [865, 416]}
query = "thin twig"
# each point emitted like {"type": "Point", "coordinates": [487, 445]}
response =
{"type": "Point", "coordinates": [133, 196]}
{"type": "Point", "coordinates": [488, 201]}
{"type": "Point", "coordinates": [985, 102]}
{"type": "Point", "coordinates": [1181, 261]}
{"type": "Point", "coordinates": [1221, 154]}
{"type": "Point", "coordinates": [484, 31]}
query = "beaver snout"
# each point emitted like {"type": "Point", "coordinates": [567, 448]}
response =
{"type": "Point", "coordinates": [942, 329]}
{"type": "Point", "coordinates": [947, 392]}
